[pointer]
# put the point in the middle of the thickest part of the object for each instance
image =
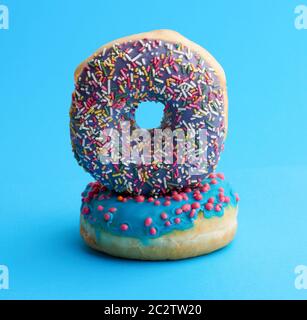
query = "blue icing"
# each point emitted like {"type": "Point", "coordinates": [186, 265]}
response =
{"type": "Point", "coordinates": [134, 213]}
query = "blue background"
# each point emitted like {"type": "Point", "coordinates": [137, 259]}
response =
{"type": "Point", "coordinates": [265, 158]}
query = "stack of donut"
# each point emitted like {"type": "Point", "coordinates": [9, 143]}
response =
{"type": "Point", "coordinates": [156, 210]}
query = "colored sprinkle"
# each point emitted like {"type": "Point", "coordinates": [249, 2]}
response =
{"type": "Point", "coordinates": [124, 227]}
{"type": "Point", "coordinates": [148, 222]}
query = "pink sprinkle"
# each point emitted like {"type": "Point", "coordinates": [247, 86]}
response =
{"type": "Point", "coordinates": [211, 200]}
{"type": "Point", "coordinates": [198, 196]}
{"type": "Point", "coordinates": [209, 206]}
{"type": "Point", "coordinates": [167, 203]}
{"type": "Point", "coordinates": [153, 231]}
{"type": "Point", "coordinates": [167, 223]}
{"type": "Point", "coordinates": [213, 181]}
{"type": "Point", "coordinates": [124, 227]}
{"type": "Point", "coordinates": [188, 190]}
{"type": "Point", "coordinates": [157, 203]}
{"type": "Point", "coordinates": [221, 176]}
{"type": "Point", "coordinates": [218, 208]}
{"type": "Point", "coordinates": [163, 216]}
{"type": "Point", "coordinates": [237, 197]}
{"type": "Point", "coordinates": [205, 187]}
{"type": "Point", "coordinates": [177, 197]}
{"type": "Point", "coordinates": [195, 205]}
{"type": "Point", "coordinates": [112, 210]}
{"type": "Point", "coordinates": [177, 220]}
{"type": "Point", "coordinates": [168, 198]}
{"type": "Point", "coordinates": [86, 199]}
{"type": "Point", "coordinates": [221, 197]}
{"type": "Point", "coordinates": [150, 199]}
{"type": "Point", "coordinates": [212, 175]}
{"type": "Point", "coordinates": [186, 207]}
{"type": "Point", "coordinates": [221, 189]}
{"type": "Point", "coordinates": [178, 211]}
{"type": "Point", "coordinates": [139, 198]}
{"type": "Point", "coordinates": [101, 197]}
{"type": "Point", "coordinates": [148, 222]}
{"type": "Point", "coordinates": [106, 217]}
{"type": "Point", "coordinates": [192, 213]}
{"type": "Point", "coordinates": [227, 199]}
{"type": "Point", "coordinates": [184, 196]}
{"type": "Point", "coordinates": [86, 210]}
{"type": "Point", "coordinates": [100, 208]}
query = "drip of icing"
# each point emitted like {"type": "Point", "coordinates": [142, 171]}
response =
{"type": "Point", "coordinates": [143, 218]}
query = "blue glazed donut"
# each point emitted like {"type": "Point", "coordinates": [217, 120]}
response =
{"type": "Point", "coordinates": [183, 224]}
{"type": "Point", "coordinates": [160, 67]}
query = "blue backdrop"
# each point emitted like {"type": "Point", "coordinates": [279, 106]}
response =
{"type": "Point", "coordinates": [264, 57]}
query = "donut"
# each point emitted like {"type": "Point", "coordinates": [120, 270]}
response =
{"type": "Point", "coordinates": [185, 223]}
{"type": "Point", "coordinates": [159, 66]}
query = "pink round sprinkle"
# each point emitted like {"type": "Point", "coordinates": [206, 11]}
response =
{"type": "Point", "coordinates": [192, 213]}
{"type": "Point", "coordinates": [213, 181]}
{"type": "Point", "coordinates": [112, 210]}
{"type": "Point", "coordinates": [124, 227]}
{"type": "Point", "coordinates": [198, 196]}
{"type": "Point", "coordinates": [188, 190]}
{"type": "Point", "coordinates": [153, 231]}
{"type": "Point", "coordinates": [167, 223]}
{"type": "Point", "coordinates": [148, 222]}
{"type": "Point", "coordinates": [196, 191]}
{"type": "Point", "coordinates": [221, 176]}
{"type": "Point", "coordinates": [163, 216]}
{"type": "Point", "coordinates": [237, 197]}
{"type": "Point", "coordinates": [167, 198]}
{"type": "Point", "coordinates": [212, 175]}
{"type": "Point", "coordinates": [186, 207]}
{"type": "Point", "coordinates": [221, 197]}
{"type": "Point", "coordinates": [150, 199]}
{"type": "Point", "coordinates": [195, 205]}
{"type": "Point", "coordinates": [209, 206]}
{"type": "Point", "coordinates": [139, 198]}
{"type": "Point", "coordinates": [157, 203]}
{"type": "Point", "coordinates": [227, 199]}
{"type": "Point", "coordinates": [86, 210]}
{"type": "Point", "coordinates": [86, 199]}
{"type": "Point", "coordinates": [184, 197]}
{"type": "Point", "coordinates": [205, 187]}
{"type": "Point", "coordinates": [167, 203]}
{"type": "Point", "coordinates": [177, 220]}
{"type": "Point", "coordinates": [221, 189]}
{"type": "Point", "coordinates": [177, 197]}
{"type": "Point", "coordinates": [178, 211]}
{"type": "Point", "coordinates": [211, 200]}
{"type": "Point", "coordinates": [106, 217]}
{"type": "Point", "coordinates": [218, 208]}
{"type": "Point", "coordinates": [100, 208]}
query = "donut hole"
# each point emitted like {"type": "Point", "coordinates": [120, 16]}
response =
{"type": "Point", "coordinates": [149, 114]}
